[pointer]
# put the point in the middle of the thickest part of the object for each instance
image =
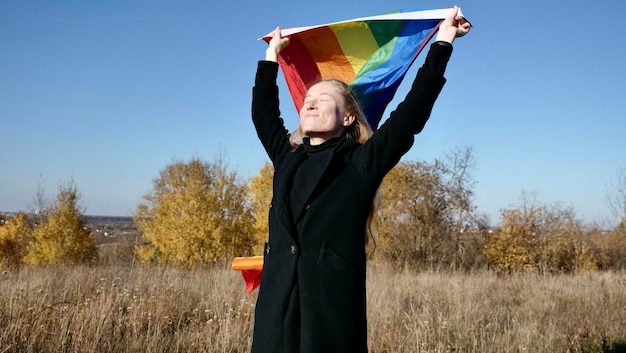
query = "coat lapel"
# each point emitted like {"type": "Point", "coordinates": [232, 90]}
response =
{"type": "Point", "coordinates": [309, 183]}
{"type": "Point", "coordinates": [323, 169]}
{"type": "Point", "coordinates": [285, 172]}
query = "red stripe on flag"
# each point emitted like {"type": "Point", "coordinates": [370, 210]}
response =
{"type": "Point", "coordinates": [299, 70]}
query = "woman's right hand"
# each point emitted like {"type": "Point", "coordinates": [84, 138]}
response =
{"type": "Point", "coordinates": [276, 45]}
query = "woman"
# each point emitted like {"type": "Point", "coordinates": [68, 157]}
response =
{"type": "Point", "coordinates": [312, 294]}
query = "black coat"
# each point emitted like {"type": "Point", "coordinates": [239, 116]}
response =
{"type": "Point", "coordinates": [312, 293]}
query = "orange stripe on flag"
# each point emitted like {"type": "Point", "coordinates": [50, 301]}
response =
{"type": "Point", "coordinates": [328, 55]}
{"type": "Point", "coordinates": [251, 269]}
{"type": "Point", "coordinates": [248, 263]}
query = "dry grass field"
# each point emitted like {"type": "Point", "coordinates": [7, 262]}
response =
{"type": "Point", "coordinates": [111, 308]}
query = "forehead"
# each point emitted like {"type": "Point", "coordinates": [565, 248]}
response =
{"type": "Point", "coordinates": [327, 87]}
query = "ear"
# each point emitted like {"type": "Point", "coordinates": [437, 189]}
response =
{"type": "Point", "coordinates": [348, 119]}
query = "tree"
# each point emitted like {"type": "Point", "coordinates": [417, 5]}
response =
{"type": "Point", "coordinates": [514, 246]}
{"type": "Point", "coordinates": [14, 236]}
{"type": "Point", "coordinates": [616, 198]}
{"type": "Point", "coordinates": [260, 194]}
{"type": "Point", "coordinates": [542, 237]}
{"type": "Point", "coordinates": [196, 214]}
{"type": "Point", "coordinates": [425, 207]}
{"type": "Point", "coordinates": [459, 165]}
{"type": "Point", "coordinates": [62, 237]}
{"type": "Point", "coordinates": [615, 242]}
{"type": "Point", "coordinates": [40, 203]}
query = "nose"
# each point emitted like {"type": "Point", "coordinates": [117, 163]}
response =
{"type": "Point", "coordinates": [310, 103]}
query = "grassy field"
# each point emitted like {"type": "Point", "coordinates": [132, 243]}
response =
{"type": "Point", "coordinates": [118, 309]}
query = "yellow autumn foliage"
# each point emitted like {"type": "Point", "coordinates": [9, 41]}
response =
{"type": "Point", "coordinates": [260, 195]}
{"type": "Point", "coordinates": [409, 214]}
{"type": "Point", "coordinates": [195, 214]}
{"type": "Point", "coordinates": [543, 237]}
{"type": "Point", "coordinates": [14, 236]}
{"type": "Point", "coordinates": [425, 207]}
{"type": "Point", "coordinates": [61, 238]}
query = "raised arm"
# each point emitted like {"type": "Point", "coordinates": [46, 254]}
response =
{"type": "Point", "coordinates": [395, 137]}
{"type": "Point", "coordinates": [269, 125]}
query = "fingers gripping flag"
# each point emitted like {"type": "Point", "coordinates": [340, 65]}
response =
{"type": "Point", "coordinates": [372, 54]}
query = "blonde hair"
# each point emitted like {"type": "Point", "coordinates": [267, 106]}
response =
{"type": "Point", "coordinates": [359, 131]}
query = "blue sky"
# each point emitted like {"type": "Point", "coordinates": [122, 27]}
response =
{"type": "Point", "coordinates": [107, 94]}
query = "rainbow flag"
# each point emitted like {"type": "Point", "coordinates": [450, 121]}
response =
{"type": "Point", "coordinates": [372, 54]}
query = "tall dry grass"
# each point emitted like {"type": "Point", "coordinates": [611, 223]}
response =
{"type": "Point", "coordinates": [126, 309]}
{"type": "Point", "coordinates": [482, 312]}
{"type": "Point", "coordinates": [118, 309]}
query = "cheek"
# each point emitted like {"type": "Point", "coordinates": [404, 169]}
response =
{"type": "Point", "coordinates": [302, 110]}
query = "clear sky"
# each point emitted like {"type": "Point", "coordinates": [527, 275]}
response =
{"type": "Point", "coordinates": [108, 93]}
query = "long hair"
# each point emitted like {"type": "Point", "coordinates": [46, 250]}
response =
{"type": "Point", "coordinates": [359, 131]}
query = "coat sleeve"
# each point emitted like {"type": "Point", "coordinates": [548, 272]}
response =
{"type": "Point", "coordinates": [396, 136]}
{"type": "Point", "coordinates": [270, 127]}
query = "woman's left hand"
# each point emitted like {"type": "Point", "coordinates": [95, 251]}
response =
{"type": "Point", "coordinates": [453, 26]}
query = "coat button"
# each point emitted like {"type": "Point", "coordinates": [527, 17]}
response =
{"type": "Point", "coordinates": [293, 249]}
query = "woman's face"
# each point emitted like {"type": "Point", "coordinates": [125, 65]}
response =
{"type": "Point", "coordinates": [322, 115]}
